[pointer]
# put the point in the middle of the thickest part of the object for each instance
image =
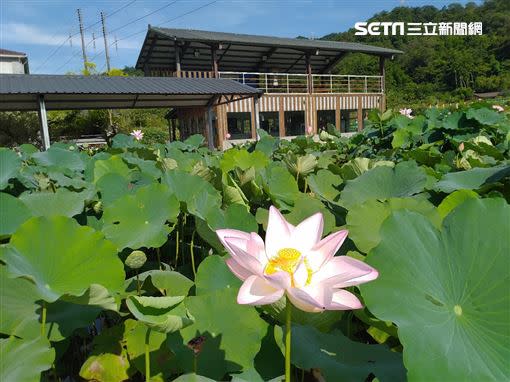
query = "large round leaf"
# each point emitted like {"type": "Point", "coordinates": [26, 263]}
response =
{"type": "Point", "coordinates": [24, 360]}
{"type": "Point", "coordinates": [10, 163]}
{"type": "Point", "coordinates": [157, 312]}
{"type": "Point", "coordinates": [339, 358]}
{"type": "Point", "coordinates": [62, 202]}
{"type": "Point", "coordinates": [471, 179]}
{"type": "Point", "coordinates": [365, 220]}
{"type": "Point", "coordinates": [383, 182]}
{"type": "Point", "coordinates": [14, 213]}
{"type": "Point", "coordinates": [447, 291]}
{"type": "Point", "coordinates": [62, 257]}
{"type": "Point", "coordinates": [138, 220]}
{"type": "Point", "coordinates": [61, 157]}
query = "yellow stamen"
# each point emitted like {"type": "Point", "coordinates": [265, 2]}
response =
{"type": "Point", "coordinates": [287, 259]}
{"type": "Point", "coordinates": [309, 271]}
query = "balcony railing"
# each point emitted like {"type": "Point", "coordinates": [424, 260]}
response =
{"type": "Point", "coordinates": [285, 83]}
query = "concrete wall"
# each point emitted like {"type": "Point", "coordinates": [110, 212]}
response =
{"type": "Point", "coordinates": [11, 65]}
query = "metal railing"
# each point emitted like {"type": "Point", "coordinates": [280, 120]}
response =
{"type": "Point", "coordinates": [285, 83]}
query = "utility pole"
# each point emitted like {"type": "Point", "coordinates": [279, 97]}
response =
{"type": "Point", "coordinates": [106, 52]}
{"type": "Point", "coordinates": [82, 40]}
{"type": "Point", "coordinates": [94, 41]}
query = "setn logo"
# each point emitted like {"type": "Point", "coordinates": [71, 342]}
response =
{"type": "Point", "coordinates": [389, 28]}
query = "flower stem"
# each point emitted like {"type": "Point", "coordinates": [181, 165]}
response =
{"type": "Point", "coordinates": [192, 252]}
{"type": "Point", "coordinates": [147, 357]}
{"type": "Point", "coordinates": [43, 320]}
{"type": "Point", "coordinates": [288, 322]}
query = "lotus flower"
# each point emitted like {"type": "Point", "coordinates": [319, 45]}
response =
{"type": "Point", "coordinates": [137, 134]}
{"type": "Point", "coordinates": [309, 130]}
{"type": "Point", "coordinates": [461, 147]}
{"type": "Point", "coordinates": [406, 112]}
{"type": "Point", "coordinates": [294, 261]}
{"type": "Point", "coordinates": [228, 136]}
{"type": "Point", "coordinates": [498, 108]}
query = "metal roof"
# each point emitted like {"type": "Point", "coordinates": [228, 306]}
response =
{"type": "Point", "coordinates": [21, 91]}
{"type": "Point", "coordinates": [6, 52]}
{"type": "Point", "coordinates": [242, 52]}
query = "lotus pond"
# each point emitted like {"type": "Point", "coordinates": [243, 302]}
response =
{"type": "Point", "coordinates": [111, 269]}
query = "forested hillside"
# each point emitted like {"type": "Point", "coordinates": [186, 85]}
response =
{"type": "Point", "coordinates": [440, 68]}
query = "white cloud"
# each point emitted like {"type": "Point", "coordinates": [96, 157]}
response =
{"type": "Point", "coordinates": [20, 33]}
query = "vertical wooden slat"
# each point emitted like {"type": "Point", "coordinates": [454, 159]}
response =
{"type": "Point", "coordinates": [281, 117]}
{"type": "Point", "coordinates": [338, 123]}
{"type": "Point", "coordinates": [360, 113]}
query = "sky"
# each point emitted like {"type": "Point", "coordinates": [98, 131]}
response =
{"type": "Point", "coordinates": [47, 30]}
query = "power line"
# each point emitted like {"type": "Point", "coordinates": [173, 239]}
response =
{"type": "Point", "coordinates": [77, 33]}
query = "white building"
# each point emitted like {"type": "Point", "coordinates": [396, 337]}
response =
{"type": "Point", "coordinates": [12, 62]}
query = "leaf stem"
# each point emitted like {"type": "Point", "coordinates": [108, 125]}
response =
{"type": "Point", "coordinates": [288, 323]}
{"type": "Point", "coordinates": [137, 284]}
{"type": "Point", "coordinates": [193, 254]}
{"type": "Point", "coordinates": [43, 320]}
{"type": "Point", "coordinates": [195, 366]}
{"type": "Point", "coordinates": [158, 253]}
{"type": "Point", "coordinates": [147, 357]}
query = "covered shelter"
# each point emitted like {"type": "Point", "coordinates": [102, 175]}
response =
{"type": "Point", "coordinates": [175, 50]}
{"type": "Point", "coordinates": [69, 92]}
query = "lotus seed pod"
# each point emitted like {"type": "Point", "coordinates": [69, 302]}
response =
{"type": "Point", "coordinates": [136, 259]}
{"type": "Point", "coordinates": [98, 207]}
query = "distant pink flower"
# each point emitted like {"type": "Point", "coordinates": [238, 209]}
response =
{"type": "Point", "coordinates": [498, 108]}
{"type": "Point", "coordinates": [461, 147]}
{"type": "Point", "coordinates": [406, 112]}
{"type": "Point", "coordinates": [309, 130]}
{"type": "Point", "coordinates": [294, 261]}
{"type": "Point", "coordinates": [227, 136]}
{"type": "Point", "coordinates": [137, 134]}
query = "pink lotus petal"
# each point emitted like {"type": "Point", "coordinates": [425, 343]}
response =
{"type": "Point", "coordinates": [308, 233]}
{"type": "Point", "coordinates": [308, 302]}
{"type": "Point", "coordinates": [246, 260]}
{"type": "Point", "coordinates": [301, 275]}
{"type": "Point", "coordinates": [324, 250]}
{"type": "Point", "coordinates": [251, 243]}
{"type": "Point", "coordinates": [280, 279]}
{"type": "Point", "coordinates": [257, 291]}
{"type": "Point", "coordinates": [237, 269]}
{"type": "Point", "coordinates": [344, 271]}
{"type": "Point", "coordinates": [343, 300]}
{"type": "Point", "coordinates": [278, 232]}
{"type": "Point", "coordinates": [222, 233]}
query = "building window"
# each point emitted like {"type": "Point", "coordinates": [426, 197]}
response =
{"type": "Point", "coordinates": [294, 123]}
{"type": "Point", "coordinates": [270, 122]}
{"type": "Point", "coordinates": [239, 125]}
{"type": "Point", "coordinates": [349, 121]}
{"type": "Point", "coordinates": [325, 118]}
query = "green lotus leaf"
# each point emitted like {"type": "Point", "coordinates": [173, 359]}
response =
{"type": "Point", "coordinates": [213, 274]}
{"type": "Point", "coordinates": [173, 283]}
{"type": "Point", "coordinates": [157, 312]}
{"type": "Point", "coordinates": [159, 353]}
{"type": "Point", "coordinates": [281, 185]}
{"type": "Point", "coordinates": [62, 257]}
{"type": "Point", "coordinates": [364, 220]}
{"type": "Point", "coordinates": [301, 165]}
{"type": "Point", "coordinates": [383, 182]}
{"type": "Point", "coordinates": [186, 186]}
{"type": "Point", "coordinates": [60, 157]}
{"type": "Point", "coordinates": [447, 291]}
{"type": "Point", "coordinates": [135, 259]}
{"type": "Point", "coordinates": [484, 116]}
{"type": "Point", "coordinates": [453, 200]}
{"type": "Point", "coordinates": [113, 186]}
{"type": "Point", "coordinates": [10, 164]}
{"type": "Point", "coordinates": [14, 213]}
{"type": "Point", "coordinates": [62, 202]}
{"type": "Point", "coordinates": [339, 358]}
{"type": "Point", "coordinates": [243, 159]}
{"type": "Point", "coordinates": [325, 184]}
{"type": "Point", "coordinates": [24, 360]}
{"type": "Point", "coordinates": [471, 179]}
{"type": "Point", "coordinates": [306, 206]}
{"type": "Point", "coordinates": [232, 334]}
{"type": "Point", "coordinates": [135, 221]}
{"type": "Point", "coordinates": [114, 164]}
{"type": "Point", "coordinates": [193, 378]}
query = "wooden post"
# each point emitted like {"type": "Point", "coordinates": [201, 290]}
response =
{"type": "Point", "coordinates": [177, 59]}
{"type": "Point", "coordinates": [209, 127]}
{"type": "Point", "coordinates": [257, 116]}
{"type": "Point", "coordinates": [382, 73]}
{"type": "Point", "coordinates": [338, 122]}
{"type": "Point", "coordinates": [360, 113]}
{"type": "Point", "coordinates": [214, 60]}
{"type": "Point", "coordinates": [43, 120]}
{"type": "Point", "coordinates": [281, 117]}
{"type": "Point", "coordinates": [309, 72]}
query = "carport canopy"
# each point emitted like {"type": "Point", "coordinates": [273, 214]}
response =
{"type": "Point", "coordinates": [20, 92]}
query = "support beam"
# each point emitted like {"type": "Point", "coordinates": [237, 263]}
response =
{"type": "Point", "coordinates": [295, 62]}
{"type": "Point", "coordinates": [281, 117]}
{"type": "Point", "coordinates": [256, 111]}
{"type": "Point", "coordinates": [338, 122]}
{"type": "Point", "coordinates": [224, 52]}
{"type": "Point", "coordinates": [333, 62]}
{"type": "Point", "coordinates": [360, 113]}
{"type": "Point", "coordinates": [43, 120]}
{"type": "Point", "coordinates": [177, 58]}
{"type": "Point", "coordinates": [214, 60]}
{"type": "Point", "coordinates": [267, 55]}
{"type": "Point", "coordinates": [209, 127]}
{"type": "Point", "coordinates": [382, 73]}
{"type": "Point", "coordinates": [309, 72]}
